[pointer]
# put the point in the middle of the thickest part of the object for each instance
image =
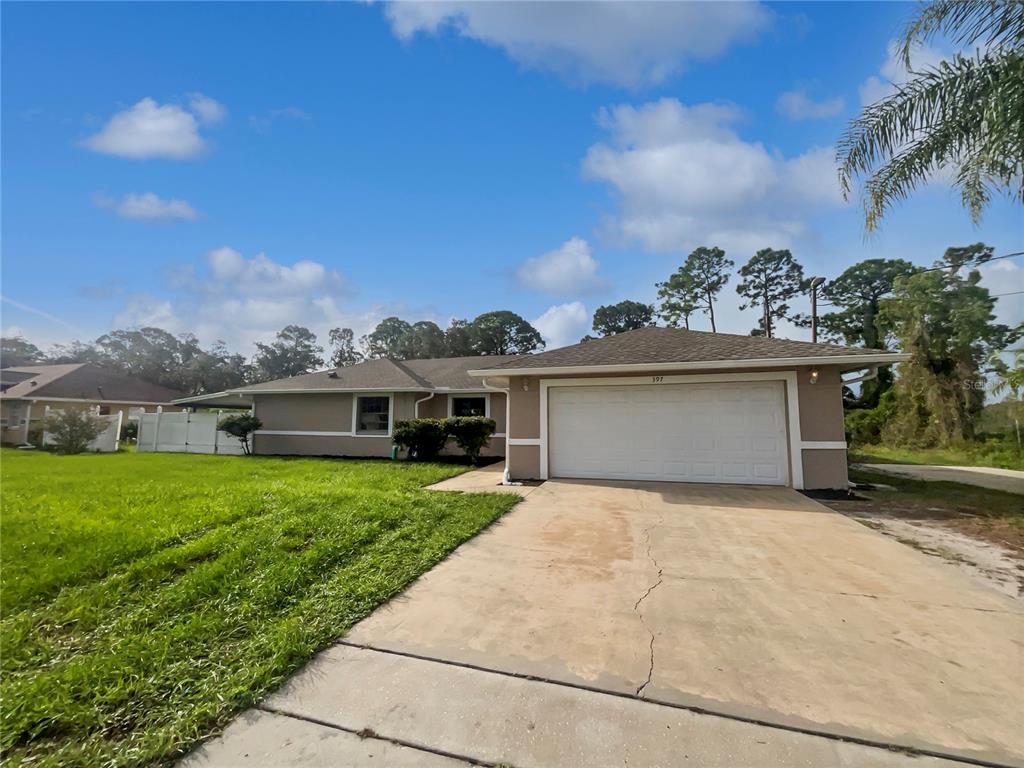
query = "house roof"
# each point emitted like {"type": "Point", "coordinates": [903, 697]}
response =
{"type": "Point", "coordinates": [453, 372]}
{"type": "Point", "coordinates": [675, 347]}
{"type": "Point", "coordinates": [81, 381]}
{"type": "Point", "coordinates": [382, 375]}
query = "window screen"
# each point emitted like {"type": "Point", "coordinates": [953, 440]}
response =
{"type": "Point", "coordinates": [469, 406]}
{"type": "Point", "coordinates": [372, 416]}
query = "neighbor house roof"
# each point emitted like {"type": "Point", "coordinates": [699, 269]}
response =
{"type": "Point", "coordinates": [656, 347]}
{"type": "Point", "coordinates": [378, 375]}
{"type": "Point", "coordinates": [80, 381]}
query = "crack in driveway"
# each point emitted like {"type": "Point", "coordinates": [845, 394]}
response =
{"type": "Point", "coordinates": [645, 595]}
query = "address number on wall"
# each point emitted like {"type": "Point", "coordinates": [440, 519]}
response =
{"type": "Point", "coordinates": [657, 379]}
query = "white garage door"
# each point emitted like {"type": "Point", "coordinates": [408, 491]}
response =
{"type": "Point", "coordinates": [697, 433]}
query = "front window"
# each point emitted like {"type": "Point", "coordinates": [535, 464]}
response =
{"type": "Point", "coordinates": [372, 415]}
{"type": "Point", "coordinates": [469, 406]}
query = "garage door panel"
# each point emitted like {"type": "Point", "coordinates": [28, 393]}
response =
{"type": "Point", "coordinates": [722, 432]}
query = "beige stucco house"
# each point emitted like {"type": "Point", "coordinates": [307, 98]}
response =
{"type": "Point", "coordinates": [650, 404]}
{"type": "Point", "coordinates": [26, 392]}
{"type": "Point", "coordinates": [351, 411]}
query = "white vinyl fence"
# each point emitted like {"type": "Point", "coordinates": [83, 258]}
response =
{"type": "Point", "coordinates": [185, 433]}
{"type": "Point", "coordinates": [108, 440]}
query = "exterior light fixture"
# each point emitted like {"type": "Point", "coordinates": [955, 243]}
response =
{"type": "Point", "coordinates": [814, 375]}
{"type": "Point", "coordinates": [526, 385]}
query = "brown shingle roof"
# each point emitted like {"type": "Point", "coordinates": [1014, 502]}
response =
{"type": "Point", "coordinates": [656, 345]}
{"type": "Point", "coordinates": [386, 375]}
{"type": "Point", "coordinates": [373, 374]}
{"type": "Point", "coordinates": [452, 372]}
{"type": "Point", "coordinates": [83, 381]}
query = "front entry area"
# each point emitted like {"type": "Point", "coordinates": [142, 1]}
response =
{"type": "Point", "coordinates": [717, 432]}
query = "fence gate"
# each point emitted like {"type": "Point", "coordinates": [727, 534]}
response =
{"type": "Point", "coordinates": [185, 432]}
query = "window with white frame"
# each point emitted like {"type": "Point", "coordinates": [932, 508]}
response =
{"type": "Point", "coordinates": [469, 405]}
{"type": "Point", "coordinates": [372, 415]}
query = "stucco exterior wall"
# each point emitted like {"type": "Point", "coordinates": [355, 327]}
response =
{"type": "Point", "coordinates": [821, 420]}
{"type": "Point", "coordinates": [437, 407]}
{"type": "Point", "coordinates": [825, 469]}
{"type": "Point", "coordinates": [332, 412]}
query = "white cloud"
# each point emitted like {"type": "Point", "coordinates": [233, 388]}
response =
{"type": "Point", "coordinates": [893, 72]}
{"type": "Point", "coordinates": [569, 269]}
{"type": "Point", "coordinates": [563, 324]}
{"type": "Point", "coordinates": [263, 123]}
{"type": "Point", "coordinates": [206, 109]}
{"type": "Point", "coordinates": [149, 130]}
{"type": "Point", "coordinates": [144, 310]}
{"type": "Point", "coordinates": [149, 207]}
{"type": "Point", "coordinates": [230, 272]}
{"type": "Point", "coordinates": [797, 105]}
{"type": "Point", "coordinates": [243, 300]}
{"type": "Point", "coordinates": [683, 177]}
{"type": "Point", "coordinates": [629, 44]}
{"type": "Point", "coordinates": [1002, 277]}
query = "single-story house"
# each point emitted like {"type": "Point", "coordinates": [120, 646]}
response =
{"type": "Point", "coordinates": [27, 391]}
{"type": "Point", "coordinates": [649, 404]}
{"type": "Point", "coordinates": [351, 411]}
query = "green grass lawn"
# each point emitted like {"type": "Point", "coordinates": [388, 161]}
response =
{"type": "Point", "coordinates": [148, 597]}
{"type": "Point", "coordinates": [981, 456]}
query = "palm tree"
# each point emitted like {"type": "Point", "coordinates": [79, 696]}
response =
{"type": "Point", "coordinates": [1007, 378]}
{"type": "Point", "coordinates": [965, 115]}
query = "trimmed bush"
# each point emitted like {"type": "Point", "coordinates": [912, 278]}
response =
{"type": "Point", "coordinates": [422, 438]}
{"type": "Point", "coordinates": [470, 433]}
{"type": "Point", "coordinates": [73, 429]}
{"type": "Point", "coordinates": [240, 425]}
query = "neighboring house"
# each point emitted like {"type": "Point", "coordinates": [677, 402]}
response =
{"type": "Point", "coordinates": [650, 404]}
{"type": "Point", "coordinates": [351, 411]}
{"type": "Point", "coordinates": [670, 404]}
{"type": "Point", "coordinates": [27, 391]}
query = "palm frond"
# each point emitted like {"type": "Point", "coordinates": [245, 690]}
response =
{"type": "Point", "coordinates": [984, 23]}
{"type": "Point", "coordinates": [966, 114]}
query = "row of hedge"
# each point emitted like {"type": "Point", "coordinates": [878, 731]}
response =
{"type": "Point", "coordinates": [424, 439]}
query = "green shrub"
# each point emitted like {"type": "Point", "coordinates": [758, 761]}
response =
{"type": "Point", "coordinates": [864, 425]}
{"type": "Point", "coordinates": [130, 431]}
{"type": "Point", "coordinates": [470, 433]}
{"type": "Point", "coordinates": [240, 425]}
{"type": "Point", "coordinates": [422, 438]}
{"type": "Point", "coordinates": [71, 430]}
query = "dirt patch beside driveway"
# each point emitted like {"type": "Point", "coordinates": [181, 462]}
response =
{"type": "Point", "coordinates": [750, 601]}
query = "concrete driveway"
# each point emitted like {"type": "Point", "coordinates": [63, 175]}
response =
{"type": "Point", "coordinates": [787, 622]}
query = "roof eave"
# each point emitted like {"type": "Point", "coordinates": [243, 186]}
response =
{"type": "Point", "coordinates": [322, 390]}
{"type": "Point", "coordinates": [851, 362]}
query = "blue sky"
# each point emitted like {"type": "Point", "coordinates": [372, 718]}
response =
{"type": "Point", "coordinates": [227, 169]}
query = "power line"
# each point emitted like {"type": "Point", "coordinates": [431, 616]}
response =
{"type": "Point", "coordinates": [974, 264]}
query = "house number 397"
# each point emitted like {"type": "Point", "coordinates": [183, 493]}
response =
{"type": "Point", "coordinates": [657, 379]}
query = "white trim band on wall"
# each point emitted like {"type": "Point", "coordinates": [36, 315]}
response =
{"type": "Point", "coordinates": [524, 441]}
{"type": "Point", "coordinates": [816, 445]}
{"type": "Point", "coordinates": [304, 433]}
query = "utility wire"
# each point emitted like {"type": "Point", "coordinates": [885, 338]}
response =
{"type": "Point", "coordinates": [974, 264]}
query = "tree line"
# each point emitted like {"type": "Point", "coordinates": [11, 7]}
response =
{"type": "Point", "coordinates": [941, 315]}
{"type": "Point", "coordinates": [181, 363]}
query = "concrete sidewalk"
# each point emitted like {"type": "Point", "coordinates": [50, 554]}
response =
{"type": "Point", "coordinates": [361, 707]}
{"type": "Point", "coordinates": [1009, 480]}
